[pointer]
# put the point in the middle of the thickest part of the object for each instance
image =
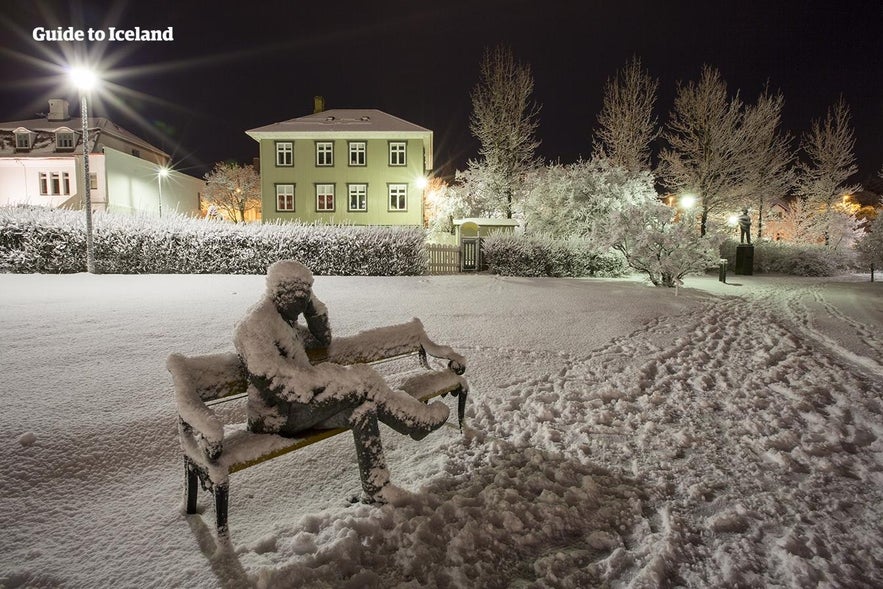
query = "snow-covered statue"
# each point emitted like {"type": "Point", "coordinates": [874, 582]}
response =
{"type": "Point", "coordinates": [744, 227]}
{"type": "Point", "coordinates": [288, 395]}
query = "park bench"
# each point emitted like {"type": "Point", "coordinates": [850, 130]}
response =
{"type": "Point", "coordinates": [214, 450]}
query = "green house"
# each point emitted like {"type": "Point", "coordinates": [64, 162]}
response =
{"type": "Point", "coordinates": [353, 166]}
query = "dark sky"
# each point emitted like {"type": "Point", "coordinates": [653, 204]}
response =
{"type": "Point", "coordinates": [234, 66]}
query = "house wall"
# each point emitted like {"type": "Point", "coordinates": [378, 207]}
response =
{"type": "Point", "coordinates": [20, 180]}
{"type": "Point", "coordinates": [134, 187]}
{"type": "Point", "coordinates": [377, 174]}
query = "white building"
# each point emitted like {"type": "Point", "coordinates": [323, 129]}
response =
{"type": "Point", "coordinates": [41, 163]}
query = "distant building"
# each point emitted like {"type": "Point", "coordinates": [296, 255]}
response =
{"type": "Point", "coordinates": [41, 163]}
{"type": "Point", "coordinates": [355, 166]}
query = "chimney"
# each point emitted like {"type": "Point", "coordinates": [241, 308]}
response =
{"type": "Point", "coordinates": [318, 104]}
{"type": "Point", "coordinates": [59, 110]}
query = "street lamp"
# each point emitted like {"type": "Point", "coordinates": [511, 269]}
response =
{"type": "Point", "coordinates": [85, 80]}
{"type": "Point", "coordinates": [163, 172]}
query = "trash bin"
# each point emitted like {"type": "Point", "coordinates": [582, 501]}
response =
{"type": "Point", "coordinates": [722, 269]}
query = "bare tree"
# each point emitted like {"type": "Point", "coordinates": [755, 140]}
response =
{"type": "Point", "coordinates": [626, 124]}
{"type": "Point", "coordinates": [504, 120]}
{"type": "Point", "coordinates": [770, 173]}
{"type": "Point", "coordinates": [823, 179]}
{"type": "Point", "coordinates": [707, 153]}
{"type": "Point", "coordinates": [234, 189]}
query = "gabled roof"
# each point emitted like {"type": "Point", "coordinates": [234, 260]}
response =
{"type": "Point", "coordinates": [97, 126]}
{"type": "Point", "coordinates": [347, 123]}
{"type": "Point", "coordinates": [342, 120]}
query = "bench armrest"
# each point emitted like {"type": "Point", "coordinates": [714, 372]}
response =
{"type": "Point", "coordinates": [191, 408]}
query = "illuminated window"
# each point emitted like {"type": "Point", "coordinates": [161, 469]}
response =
{"type": "Point", "coordinates": [324, 198]}
{"type": "Point", "coordinates": [285, 197]}
{"type": "Point", "coordinates": [357, 153]}
{"type": "Point", "coordinates": [324, 153]}
{"type": "Point", "coordinates": [284, 153]}
{"type": "Point", "coordinates": [358, 197]}
{"type": "Point", "coordinates": [398, 197]}
{"type": "Point", "coordinates": [397, 153]}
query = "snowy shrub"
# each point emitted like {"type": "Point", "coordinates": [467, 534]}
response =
{"type": "Point", "coordinates": [53, 241]}
{"type": "Point", "coordinates": [512, 254]}
{"type": "Point", "coordinates": [654, 242]}
{"type": "Point", "coordinates": [870, 246]}
{"type": "Point", "coordinates": [797, 259]}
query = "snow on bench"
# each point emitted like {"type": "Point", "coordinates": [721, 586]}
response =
{"type": "Point", "coordinates": [214, 450]}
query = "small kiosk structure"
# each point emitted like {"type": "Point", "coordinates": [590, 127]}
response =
{"type": "Point", "coordinates": [469, 233]}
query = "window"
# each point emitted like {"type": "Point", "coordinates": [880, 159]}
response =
{"type": "Point", "coordinates": [285, 197]}
{"type": "Point", "coordinates": [23, 140]}
{"type": "Point", "coordinates": [397, 153]}
{"type": "Point", "coordinates": [64, 140]}
{"type": "Point", "coordinates": [93, 181]}
{"type": "Point", "coordinates": [324, 198]}
{"type": "Point", "coordinates": [284, 153]}
{"type": "Point", "coordinates": [358, 197]}
{"type": "Point", "coordinates": [55, 183]}
{"type": "Point", "coordinates": [357, 153]}
{"type": "Point", "coordinates": [324, 153]}
{"type": "Point", "coordinates": [398, 197]}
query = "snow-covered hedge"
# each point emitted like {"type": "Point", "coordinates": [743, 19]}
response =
{"type": "Point", "coordinates": [512, 254]}
{"type": "Point", "coordinates": [797, 259]}
{"type": "Point", "coordinates": [54, 241]}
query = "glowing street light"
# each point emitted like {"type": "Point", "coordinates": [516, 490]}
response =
{"type": "Point", "coordinates": [161, 174]}
{"type": "Point", "coordinates": [86, 80]}
{"type": "Point", "coordinates": [687, 201]}
{"type": "Point", "coordinates": [421, 182]}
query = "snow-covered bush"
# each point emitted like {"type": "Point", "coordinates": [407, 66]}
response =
{"type": "Point", "coordinates": [654, 242]}
{"type": "Point", "coordinates": [567, 200]}
{"type": "Point", "coordinates": [779, 257]}
{"type": "Point", "coordinates": [511, 254]}
{"type": "Point", "coordinates": [870, 246]}
{"type": "Point", "coordinates": [53, 241]}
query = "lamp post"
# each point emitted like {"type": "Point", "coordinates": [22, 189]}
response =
{"type": "Point", "coordinates": [161, 174]}
{"type": "Point", "coordinates": [84, 80]}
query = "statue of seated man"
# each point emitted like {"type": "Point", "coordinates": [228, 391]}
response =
{"type": "Point", "coordinates": [288, 395]}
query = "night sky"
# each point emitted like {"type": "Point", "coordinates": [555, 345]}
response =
{"type": "Point", "coordinates": [234, 66]}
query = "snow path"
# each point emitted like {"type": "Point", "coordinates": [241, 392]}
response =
{"type": "Point", "coordinates": [618, 436]}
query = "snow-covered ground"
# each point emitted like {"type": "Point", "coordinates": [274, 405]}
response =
{"type": "Point", "coordinates": [618, 436]}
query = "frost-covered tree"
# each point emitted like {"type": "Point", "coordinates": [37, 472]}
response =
{"type": "Point", "coordinates": [713, 145]}
{"type": "Point", "coordinates": [504, 120]}
{"type": "Point", "coordinates": [234, 189]}
{"type": "Point", "coordinates": [870, 245]}
{"type": "Point", "coordinates": [770, 174]}
{"type": "Point", "coordinates": [823, 178]}
{"type": "Point", "coordinates": [656, 243]}
{"type": "Point", "coordinates": [568, 200]}
{"type": "Point", "coordinates": [626, 124]}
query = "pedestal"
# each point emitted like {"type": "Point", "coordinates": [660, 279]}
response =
{"type": "Point", "coordinates": [745, 259]}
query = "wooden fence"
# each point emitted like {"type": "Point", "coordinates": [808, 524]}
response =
{"type": "Point", "coordinates": [443, 259]}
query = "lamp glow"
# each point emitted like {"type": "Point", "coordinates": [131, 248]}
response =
{"type": "Point", "coordinates": [688, 201]}
{"type": "Point", "coordinates": [421, 182]}
{"type": "Point", "coordinates": [83, 78]}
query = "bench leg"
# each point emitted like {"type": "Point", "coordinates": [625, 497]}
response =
{"type": "Point", "coordinates": [369, 452]}
{"type": "Point", "coordinates": [191, 485]}
{"type": "Point", "coordinates": [221, 493]}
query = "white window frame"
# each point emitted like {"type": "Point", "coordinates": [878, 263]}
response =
{"type": "Point", "coordinates": [325, 190]}
{"type": "Point", "coordinates": [324, 154]}
{"type": "Point", "coordinates": [55, 183]}
{"type": "Point", "coordinates": [64, 140]}
{"type": "Point", "coordinates": [398, 153]}
{"type": "Point", "coordinates": [358, 153]}
{"type": "Point", "coordinates": [285, 191]}
{"type": "Point", "coordinates": [360, 193]}
{"type": "Point", "coordinates": [284, 154]}
{"type": "Point", "coordinates": [24, 140]}
{"type": "Point", "coordinates": [399, 192]}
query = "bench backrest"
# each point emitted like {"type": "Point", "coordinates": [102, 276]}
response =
{"type": "Point", "coordinates": [212, 376]}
